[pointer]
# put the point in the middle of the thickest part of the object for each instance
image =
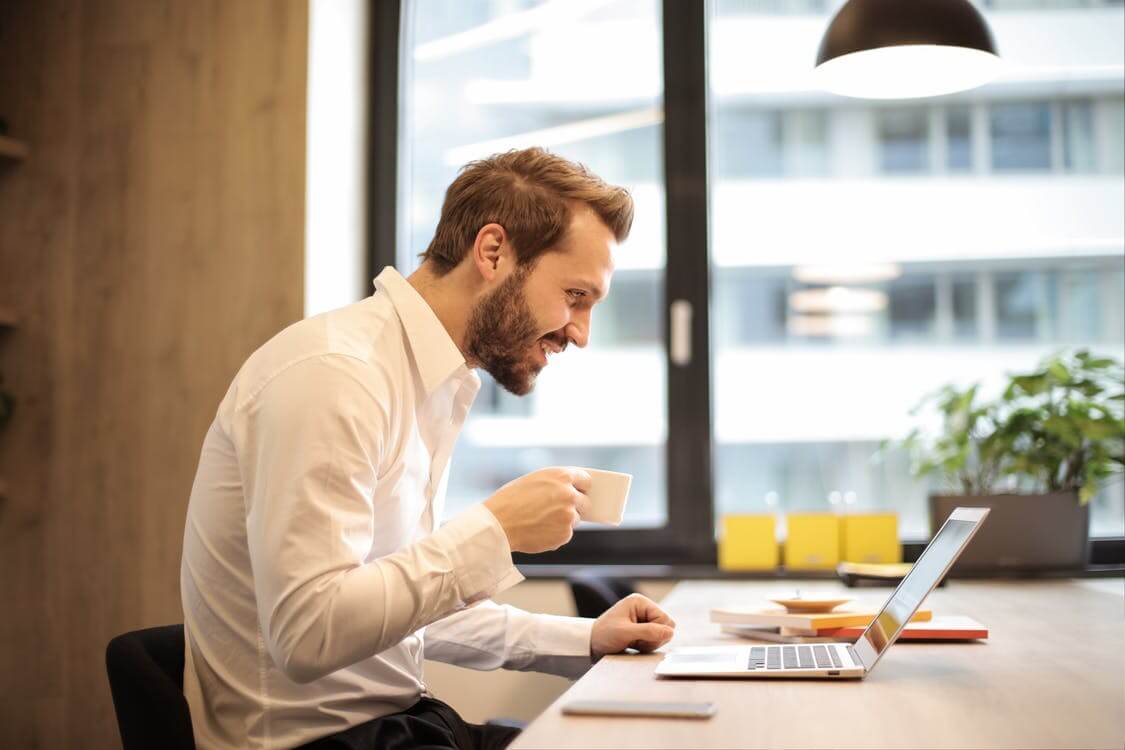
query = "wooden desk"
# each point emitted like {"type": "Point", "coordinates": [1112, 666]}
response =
{"type": "Point", "coordinates": [1051, 675]}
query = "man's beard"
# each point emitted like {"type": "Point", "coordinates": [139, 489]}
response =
{"type": "Point", "coordinates": [500, 332]}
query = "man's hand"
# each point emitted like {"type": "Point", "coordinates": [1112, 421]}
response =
{"type": "Point", "coordinates": [539, 511]}
{"type": "Point", "coordinates": [634, 622]}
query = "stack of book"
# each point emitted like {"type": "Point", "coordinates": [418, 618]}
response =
{"type": "Point", "coordinates": [779, 626]}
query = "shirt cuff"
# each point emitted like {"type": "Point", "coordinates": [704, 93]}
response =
{"type": "Point", "coordinates": [481, 555]}
{"type": "Point", "coordinates": [562, 645]}
{"type": "Point", "coordinates": [563, 636]}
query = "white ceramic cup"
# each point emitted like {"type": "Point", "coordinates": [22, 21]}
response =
{"type": "Point", "coordinates": [608, 492]}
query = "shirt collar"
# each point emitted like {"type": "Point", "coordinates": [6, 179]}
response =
{"type": "Point", "coordinates": [435, 354]}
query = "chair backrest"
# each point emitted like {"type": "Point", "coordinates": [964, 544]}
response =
{"type": "Point", "coordinates": [594, 593]}
{"type": "Point", "coordinates": [146, 677]}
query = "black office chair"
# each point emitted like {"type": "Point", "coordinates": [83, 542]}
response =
{"type": "Point", "coordinates": [594, 592]}
{"type": "Point", "coordinates": [146, 678]}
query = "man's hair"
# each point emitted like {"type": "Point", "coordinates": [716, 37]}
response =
{"type": "Point", "coordinates": [531, 194]}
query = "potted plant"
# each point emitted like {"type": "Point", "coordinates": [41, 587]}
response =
{"type": "Point", "coordinates": [1035, 455]}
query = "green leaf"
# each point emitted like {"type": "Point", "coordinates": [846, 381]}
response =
{"type": "Point", "coordinates": [1032, 385]}
{"type": "Point", "coordinates": [1088, 388]}
{"type": "Point", "coordinates": [1085, 493]}
{"type": "Point", "coordinates": [1097, 430]}
{"type": "Point", "coordinates": [1059, 372]}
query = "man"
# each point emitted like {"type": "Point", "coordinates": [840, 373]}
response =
{"type": "Point", "coordinates": [315, 575]}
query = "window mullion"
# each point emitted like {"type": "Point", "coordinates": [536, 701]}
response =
{"type": "Point", "coordinates": [687, 276]}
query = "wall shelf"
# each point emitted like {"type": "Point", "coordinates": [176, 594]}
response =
{"type": "Point", "coordinates": [10, 148]}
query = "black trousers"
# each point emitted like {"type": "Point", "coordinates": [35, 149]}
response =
{"type": "Point", "coordinates": [429, 723]}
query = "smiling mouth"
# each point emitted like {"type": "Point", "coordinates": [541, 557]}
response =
{"type": "Point", "coordinates": [547, 348]}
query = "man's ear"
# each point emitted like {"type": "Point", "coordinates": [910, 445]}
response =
{"type": "Point", "coordinates": [488, 250]}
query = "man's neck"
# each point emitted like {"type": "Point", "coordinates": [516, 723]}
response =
{"type": "Point", "coordinates": [449, 298]}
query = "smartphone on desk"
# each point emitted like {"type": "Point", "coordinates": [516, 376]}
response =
{"type": "Point", "coordinates": [640, 708]}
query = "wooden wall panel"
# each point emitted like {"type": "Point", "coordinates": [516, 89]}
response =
{"type": "Point", "coordinates": [150, 242]}
{"type": "Point", "coordinates": [36, 229]}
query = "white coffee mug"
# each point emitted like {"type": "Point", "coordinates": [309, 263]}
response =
{"type": "Point", "coordinates": [608, 492]}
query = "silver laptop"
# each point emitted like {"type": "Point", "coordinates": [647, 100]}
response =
{"type": "Point", "coordinates": [837, 660]}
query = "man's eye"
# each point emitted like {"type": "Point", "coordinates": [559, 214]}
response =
{"type": "Point", "coordinates": [576, 293]}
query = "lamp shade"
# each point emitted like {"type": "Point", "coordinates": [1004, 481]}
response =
{"type": "Point", "coordinates": [901, 49]}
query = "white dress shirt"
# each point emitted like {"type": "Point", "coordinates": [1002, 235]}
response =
{"type": "Point", "coordinates": [313, 561]}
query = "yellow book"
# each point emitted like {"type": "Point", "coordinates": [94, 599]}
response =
{"type": "Point", "coordinates": [870, 538]}
{"type": "Point", "coordinates": [748, 542]}
{"type": "Point", "coordinates": [813, 541]}
{"type": "Point", "coordinates": [889, 571]}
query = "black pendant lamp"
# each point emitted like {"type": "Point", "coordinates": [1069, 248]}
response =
{"type": "Point", "coordinates": [901, 49]}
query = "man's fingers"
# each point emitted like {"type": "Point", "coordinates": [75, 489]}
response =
{"type": "Point", "coordinates": [615, 631]}
{"type": "Point", "coordinates": [646, 610]}
{"type": "Point", "coordinates": [582, 504]}
{"type": "Point", "coordinates": [652, 636]}
{"type": "Point", "coordinates": [580, 478]}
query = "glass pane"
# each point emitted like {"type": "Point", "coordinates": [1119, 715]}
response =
{"type": "Point", "coordinates": [904, 142]}
{"type": "Point", "coordinates": [484, 77]}
{"type": "Point", "coordinates": [965, 321]}
{"type": "Point", "coordinates": [958, 139]}
{"type": "Point", "coordinates": [1110, 125]}
{"type": "Point", "coordinates": [751, 307]}
{"type": "Point", "coordinates": [1080, 304]}
{"type": "Point", "coordinates": [1046, 4]}
{"type": "Point", "coordinates": [1021, 137]}
{"type": "Point", "coordinates": [749, 143]}
{"type": "Point", "coordinates": [735, 7]}
{"type": "Point", "coordinates": [806, 143]}
{"type": "Point", "coordinates": [1078, 137]}
{"type": "Point", "coordinates": [913, 307]}
{"type": "Point", "coordinates": [842, 296]}
{"type": "Point", "coordinates": [1020, 301]}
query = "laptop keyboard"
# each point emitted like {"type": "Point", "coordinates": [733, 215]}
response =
{"type": "Point", "coordinates": [794, 657]}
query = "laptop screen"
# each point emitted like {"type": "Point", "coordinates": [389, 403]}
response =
{"type": "Point", "coordinates": [923, 576]}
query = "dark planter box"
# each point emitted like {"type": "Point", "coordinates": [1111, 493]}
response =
{"type": "Point", "coordinates": [1022, 534]}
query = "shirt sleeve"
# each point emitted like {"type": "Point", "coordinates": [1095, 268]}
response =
{"type": "Point", "coordinates": [495, 636]}
{"type": "Point", "coordinates": [309, 445]}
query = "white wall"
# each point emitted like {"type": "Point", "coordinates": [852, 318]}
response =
{"type": "Point", "coordinates": [335, 222]}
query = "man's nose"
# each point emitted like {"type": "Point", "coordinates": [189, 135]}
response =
{"type": "Point", "coordinates": [578, 330]}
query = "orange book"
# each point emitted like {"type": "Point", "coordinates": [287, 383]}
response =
{"type": "Point", "coordinates": [801, 624]}
{"type": "Point", "coordinates": [947, 628]}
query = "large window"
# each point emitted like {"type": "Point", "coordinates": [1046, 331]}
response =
{"type": "Point", "coordinates": [844, 257]}
{"type": "Point", "coordinates": [950, 240]}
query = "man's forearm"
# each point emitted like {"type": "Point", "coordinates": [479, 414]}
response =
{"type": "Point", "coordinates": [338, 618]}
{"type": "Point", "coordinates": [493, 636]}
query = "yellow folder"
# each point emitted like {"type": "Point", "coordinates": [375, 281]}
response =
{"type": "Point", "coordinates": [748, 541]}
{"type": "Point", "coordinates": [813, 541]}
{"type": "Point", "coordinates": [870, 538]}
